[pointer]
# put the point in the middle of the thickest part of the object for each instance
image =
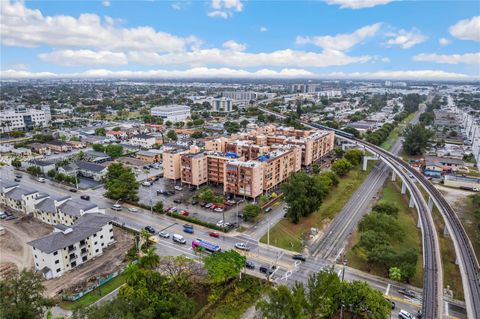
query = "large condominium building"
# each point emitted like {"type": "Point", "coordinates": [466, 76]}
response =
{"type": "Point", "coordinates": [216, 165]}
{"type": "Point", "coordinates": [240, 95]}
{"type": "Point", "coordinates": [70, 246]}
{"type": "Point", "coordinates": [247, 149]}
{"type": "Point", "coordinates": [24, 119]}
{"type": "Point", "coordinates": [222, 105]}
{"type": "Point", "coordinates": [171, 162]}
{"type": "Point", "coordinates": [172, 113]}
{"type": "Point", "coordinates": [244, 178]}
{"type": "Point", "coordinates": [193, 169]}
{"type": "Point", "coordinates": [278, 165]}
{"type": "Point", "coordinates": [217, 144]}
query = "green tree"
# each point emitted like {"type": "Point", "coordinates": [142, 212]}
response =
{"type": "Point", "coordinates": [17, 134]}
{"type": "Point", "coordinates": [395, 273]}
{"type": "Point", "coordinates": [150, 260]}
{"type": "Point", "coordinates": [223, 266]}
{"type": "Point", "coordinates": [416, 138]}
{"type": "Point", "coordinates": [386, 208]}
{"type": "Point", "coordinates": [251, 211]}
{"type": "Point", "coordinates": [196, 134]}
{"type": "Point", "coordinates": [16, 162]}
{"type": "Point", "coordinates": [34, 170]}
{"type": "Point", "coordinates": [22, 296]}
{"type": "Point", "coordinates": [120, 183]}
{"type": "Point", "coordinates": [158, 207]}
{"type": "Point", "coordinates": [284, 303]}
{"type": "Point", "coordinates": [100, 131]}
{"type": "Point", "coordinates": [354, 156]}
{"type": "Point", "coordinates": [379, 222]}
{"type": "Point", "coordinates": [116, 129]}
{"type": "Point", "coordinates": [51, 173]}
{"type": "Point", "coordinates": [98, 147]}
{"type": "Point", "coordinates": [244, 123]}
{"type": "Point", "coordinates": [172, 135]}
{"type": "Point", "coordinates": [341, 167]}
{"type": "Point", "coordinates": [198, 122]}
{"type": "Point", "coordinates": [114, 150]}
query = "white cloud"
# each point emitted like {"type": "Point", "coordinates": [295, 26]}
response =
{"type": "Point", "coordinates": [357, 4]}
{"type": "Point", "coordinates": [468, 29]}
{"type": "Point", "coordinates": [263, 29]}
{"type": "Point", "coordinates": [406, 39]}
{"type": "Point", "coordinates": [106, 3]}
{"type": "Point", "coordinates": [341, 42]}
{"type": "Point", "coordinates": [214, 57]}
{"type": "Point", "coordinates": [239, 73]}
{"type": "Point", "coordinates": [180, 5]}
{"type": "Point", "coordinates": [467, 58]}
{"type": "Point", "coordinates": [385, 60]}
{"type": "Point", "coordinates": [234, 46]}
{"type": "Point", "coordinates": [84, 57]}
{"type": "Point", "coordinates": [225, 8]}
{"type": "Point", "coordinates": [24, 27]}
{"type": "Point", "coordinates": [444, 41]}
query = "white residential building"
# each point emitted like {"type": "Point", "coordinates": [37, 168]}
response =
{"type": "Point", "coordinates": [70, 246]}
{"type": "Point", "coordinates": [222, 105]}
{"type": "Point", "coordinates": [172, 113]}
{"type": "Point", "coordinates": [18, 198]}
{"type": "Point", "coordinates": [143, 140]}
{"type": "Point", "coordinates": [24, 119]}
{"type": "Point", "coordinates": [240, 95]}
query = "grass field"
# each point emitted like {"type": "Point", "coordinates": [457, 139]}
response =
{"type": "Point", "coordinates": [407, 219]}
{"type": "Point", "coordinates": [387, 145]}
{"type": "Point", "coordinates": [95, 295]}
{"type": "Point", "coordinates": [289, 236]}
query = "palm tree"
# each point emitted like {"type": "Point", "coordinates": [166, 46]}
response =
{"type": "Point", "coordinates": [150, 260]}
{"type": "Point", "coordinates": [131, 272]}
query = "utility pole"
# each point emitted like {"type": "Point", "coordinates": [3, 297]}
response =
{"type": "Point", "coordinates": [268, 234]}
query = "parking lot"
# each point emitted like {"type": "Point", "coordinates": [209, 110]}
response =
{"type": "Point", "coordinates": [183, 199]}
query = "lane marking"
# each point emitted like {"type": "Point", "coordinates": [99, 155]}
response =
{"type": "Point", "coordinates": [388, 290]}
{"type": "Point", "coordinates": [446, 309]}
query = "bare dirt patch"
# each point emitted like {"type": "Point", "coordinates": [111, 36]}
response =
{"type": "Point", "coordinates": [88, 274]}
{"type": "Point", "coordinates": [13, 244]}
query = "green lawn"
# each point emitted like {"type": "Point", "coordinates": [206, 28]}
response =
{"type": "Point", "coordinates": [407, 219]}
{"type": "Point", "coordinates": [289, 236]}
{"type": "Point", "coordinates": [387, 145]}
{"type": "Point", "coordinates": [94, 295]}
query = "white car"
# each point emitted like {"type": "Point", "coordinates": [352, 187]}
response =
{"type": "Point", "coordinates": [178, 188]}
{"type": "Point", "coordinates": [164, 234]}
{"type": "Point", "coordinates": [147, 184]}
{"type": "Point", "coordinates": [41, 180]}
{"type": "Point", "coordinates": [117, 207]}
{"type": "Point", "coordinates": [133, 210]}
{"type": "Point", "coordinates": [242, 246]}
{"type": "Point", "coordinates": [218, 210]}
{"type": "Point", "coordinates": [405, 315]}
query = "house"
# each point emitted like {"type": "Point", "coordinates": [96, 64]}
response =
{"type": "Point", "coordinates": [77, 144]}
{"type": "Point", "coordinates": [143, 140]}
{"type": "Point", "coordinates": [433, 169]}
{"type": "Point", "coordinates": [22, 151]}
{"type": "Point", "coordinates": [119, 135]}
{"type": "Point", "coordinates": [63, 210]}
{"type": "Point", "coordinates": [148, 156]}
{"type": "Point", "coordinates": [70, 169]}
{"type": "Point", "coordinates": [96, 157]}
{"type": "Point", "coordinates": [91, 170]}
{"type": "Point", "coordinates": [45, 165]}
{"type": "Point", "coordinates": [448, 164]}
{"type": "Point", "coordinates": [58, 146]}
{"type": "Point", "coordinates": [70, 246]}
{"type": "Point", "coordinates": [40, 148]}
{"type": "Point", "coordinates": [18, 198]}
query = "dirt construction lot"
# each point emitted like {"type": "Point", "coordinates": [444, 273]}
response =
{"type": "Point", "coordinates": [13, 244]}
{"type": "Point", "coordinates": [88, 274]}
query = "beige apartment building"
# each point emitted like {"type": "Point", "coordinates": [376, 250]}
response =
{"type": "Point", "coordinates": [217, 144]}
{"type": "Point", "coordinates": [193, 169]}
{"type": "Point", "coordinates": [216, 165]}
{"type": "Point", "coordinates": [278, 165]}
{"type": "Point", "coordinates": [244, 178]}
{"type": "Point", "coordinates": [247, 149]}
{"type": "Point", "coordinates": [171, 162]}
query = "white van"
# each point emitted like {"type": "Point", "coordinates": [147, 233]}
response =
{"type": "Point", "coordinates": [117, 207]}
{"type": "Point", "coordinates": [179, 239]}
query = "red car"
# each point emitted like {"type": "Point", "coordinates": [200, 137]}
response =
{"type": "Point", "coordinates": [214, 234]}
{"type": "Point", "coordinates": [184, 213]}
{"type": "Point", "coordinates": [166, 210]}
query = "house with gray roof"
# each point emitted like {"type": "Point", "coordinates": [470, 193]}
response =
{"type": "Point", "coordinates": [91, 170]}
{"type": "Point", "coordinates": [18, 197]}
{"type": "Point", "coordinates": [68, 247]}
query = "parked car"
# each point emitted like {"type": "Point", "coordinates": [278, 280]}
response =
{"type": "Point", "coordinates": [178, 239]}
{"type": "Point", "coordinates": [299, 257]}
{"type": "Point", "coordinates": [194, 202]}
{"type": "Point", "coordinates": [117, 207]}
{"type": "Point", "coordinates": [407, 292]}
{"type": "Point", "coordinates": [17, 180]}
{"type": "Point", "coordinates": [147, 184]}
{"type": "Point", "coordinates": [150, 229]}
{"type": "Point", "coordinates": [146, 167]}
{"type": "Point", "coordinates": [405, 315]}
{"type": "Point", "coordinates": [85, 197]}
{"type": "Point", "coordinates": [177, 201]}
{"type": "Point", "coordinates": [164, 234]}
{"type": "Point", "coordinates": [218, 210]}
{"type": "Point", "coordinates": [178, 188]}
{"type": "Point", "coordinates": [73, 190]}
{"type": "Point", "coordinates": [41, 180]}
{"type": "Point", "coordinates": [11, 217]}
{"type": "Point", "coordinates": [133, 210]}
{"type": "Point", "coordinates": [184, 213]}
{"type": "Point", "coordinates": [214, 234]}
{"type": "Point", "coordinates": [208, 205]}
{"type": "Point", "coordinates": [268, 210]}
{"type": "Point", "coordinates": [18, 176]}
{"type": "Point", "coordinates": [3, 215]}
{"type": "Point", "coordinates": [249, 264]}
{"type": "Point", "coordinates": [188, 226]}
{"type": "Point", "coordinates": [242, 246]}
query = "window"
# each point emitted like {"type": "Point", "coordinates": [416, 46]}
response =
{"type": "Point", "coordinates": [95, 243]}
{"type": "Point", "coordinates": [96, 250]}
{"type": "Point", "coordinates": [55, 253]}
{"type": "Point", "coordinates": [35, 256]}
{"type": "Point", "coordinates": [103, 244]}
{"type": "Point", "coordinates": [101, 237]}
{"type": "Point", "coordinates": [58, 270]}
{"type": "Point", "coordinates": [94, 235]}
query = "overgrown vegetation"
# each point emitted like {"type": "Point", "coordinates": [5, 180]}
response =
{"type": "Point", "coordinates": [120, 183]}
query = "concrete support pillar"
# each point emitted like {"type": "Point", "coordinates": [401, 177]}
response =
{"type": "Point", "coordinates": [430, 204]}
{"type": "Point", "coordinates": [366, 159]}
{"type": "Point", "coordinates": [394, 176]}
{"type": "Point", "coordinates": [419, 224]}
{"type": "Point", "coordinates": [404, 188]}
{"type": "Point", "coordinates": [411, 204]}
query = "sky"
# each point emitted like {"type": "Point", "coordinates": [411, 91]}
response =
{"type": "Point", "coordinates": [352, 39]}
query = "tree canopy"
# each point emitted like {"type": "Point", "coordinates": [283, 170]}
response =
{"type": "Point", "coordinates": [223, 266]}
{"type": "Point", "coordinates": [120, 183]}
{"type": "Point", "coordinates": [417, 139]}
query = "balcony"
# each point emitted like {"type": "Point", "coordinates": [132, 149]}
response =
{"type": "Point", "coordinates": [72, 257]}
{"type": "Point", "coordinates": [83, 243]}
{"type": "Point", "coordinates": [83, 251]}
{"type": "Point", "coordinates": [71, 248]}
